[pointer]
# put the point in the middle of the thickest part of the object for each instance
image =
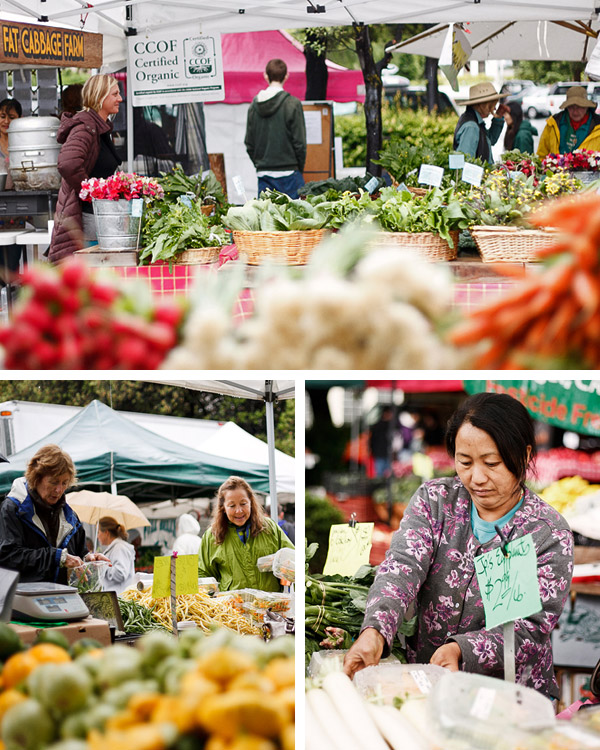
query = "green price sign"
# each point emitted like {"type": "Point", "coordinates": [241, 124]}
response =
{"type": "Point", "coordinates": [509, 584]}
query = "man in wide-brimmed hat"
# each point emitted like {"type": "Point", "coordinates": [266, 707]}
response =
{"type": "Point", "coordinates": [577, 126]}
{"type": "Point", "coordinates": [471, 135]}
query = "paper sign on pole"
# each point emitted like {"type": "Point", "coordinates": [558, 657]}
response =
{"type": "Point", "coordinates": [186, 572]}
{"type": "Point", "coordinates": [473, 174]}
{"type": "Point", "coordinates": [430, 175]}
{"type": "Point", "coordinates": [455, 53]}
{"type": "Point", "coordinates": [349, 548]}
{"type": "Point", "coordinates": [509, 584]}
{"type": "Point", "coordinates": [174, 67]}
{"type": "Point", "coordinates": [456, 161]}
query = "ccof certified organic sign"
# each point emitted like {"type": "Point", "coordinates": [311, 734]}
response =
{"type": "Point", "coordinates": [175, 67]}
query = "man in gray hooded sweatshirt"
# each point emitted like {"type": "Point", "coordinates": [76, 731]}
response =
{"type": "Point", "coordinates": [276, 134]}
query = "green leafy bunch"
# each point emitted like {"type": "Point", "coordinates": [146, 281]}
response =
{"type": "Point", "coordinates": [207, 189]}
{"type": "Point", "coordinates": [276, 212]}
{"type": "Point", "coordinates": [171, 228]}
{"type": "Point", "coordinates": [437, 211]}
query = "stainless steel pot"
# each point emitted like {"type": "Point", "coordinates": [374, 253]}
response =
{"type": "Point", "coordinates": [33, 153]}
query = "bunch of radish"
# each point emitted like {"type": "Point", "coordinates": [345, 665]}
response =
{"type": "Point", "coordinates": [67, 317]}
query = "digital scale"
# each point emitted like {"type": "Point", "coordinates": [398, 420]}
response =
{"type": "Point", "coordinates": [52, 602]}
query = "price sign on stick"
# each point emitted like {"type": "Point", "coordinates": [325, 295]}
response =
{"type": "Point", "coordinates": [186, 576]}
{"type": "Point", "coordinates": [507, 578]}
{"type": "Point", "coordinates": [349, 548]}
{"type": "Point", "coordinates": [473, 174]}
{"type": "Point", "coordinates": [456, 161]}
{"type": "Point", "coordinates": [430, 175]}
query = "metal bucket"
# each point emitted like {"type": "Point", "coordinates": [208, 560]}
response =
{"type": "Point", "coordinates": [116, 226]}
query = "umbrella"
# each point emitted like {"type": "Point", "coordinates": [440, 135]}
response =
{"type": "Point", "coordinates": [92, 506]}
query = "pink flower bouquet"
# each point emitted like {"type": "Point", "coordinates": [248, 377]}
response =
{"type": "Point", "coordinates": [580, 159]}
{"type": "Point", "coordinates": [120, 186]}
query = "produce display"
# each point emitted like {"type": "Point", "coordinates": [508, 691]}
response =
{"type": "Point", "coordinates": [351, 308]}
{"type": "Point", "coordinates": [563, 493]}
{"type": "Point", "coordinates": [216, 691]}
{"type": "Point", "coordinates": [459, 711]}
{"type": "Point", "coordinates": [552, 318]}
{"type": "Point", "coordinates": [70, 317]}
{"type": "Point", "coordinates": [206, 611]}
{"type": "Point", "coordinates": [335, 609]}
{"type": "Point", "coordinates": [276, 212]}
{"type": "Point", "coordinates": [187, 216]}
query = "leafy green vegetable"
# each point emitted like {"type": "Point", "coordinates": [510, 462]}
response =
{"type": "Point", "coordinates": [170, 228]}
{"type": "Point", "coordinates": [276, 212]}
{"type": "Point", "coordinates": [333, 188]}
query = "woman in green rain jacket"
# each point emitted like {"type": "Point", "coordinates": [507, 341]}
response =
{"type": "Point", "coordinates": [240, 533]}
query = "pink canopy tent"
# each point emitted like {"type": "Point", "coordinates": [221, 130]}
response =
{"type": "Point", "coordinates": [246, 55]}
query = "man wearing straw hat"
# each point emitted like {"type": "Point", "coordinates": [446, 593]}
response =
{"type": "Point", "coordinates": [471, 136]}
{"type": "Point", "coordinates": [577, 126]}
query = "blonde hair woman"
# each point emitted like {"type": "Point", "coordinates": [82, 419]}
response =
{"type": "Point", "coordinates": [40, 534]}
{"type": "Point", "coordinates": [240, 533]}
{"type": "Point", "coordinates": [87, 151]}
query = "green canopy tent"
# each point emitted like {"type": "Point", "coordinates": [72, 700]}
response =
{"type": "Point", "coordinates": [111, 452]}
{"type": "Point", "coordinates": [570, 404]}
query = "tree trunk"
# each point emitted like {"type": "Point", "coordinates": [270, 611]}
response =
{"type": "Point", "coordinates": [431, 75]}
{"type": "Point", "coordinates": [316, 69]}
{"type": "Point", "coordinates": [372, 96]}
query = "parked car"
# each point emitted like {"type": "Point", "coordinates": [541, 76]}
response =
{"type": "Point", "coordinates": [546, 104]}
{"type": "Point", "coordinates": [515, 86]}
{"type": "Point", "coordinates": [535, 102]}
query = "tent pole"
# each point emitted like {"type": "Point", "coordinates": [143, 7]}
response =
{"type": "Point", "coordinates": [269, 404]}
{"type": "Point", "coordinates": [129, 114]}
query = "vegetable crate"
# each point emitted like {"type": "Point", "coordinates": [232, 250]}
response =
{"type": "Point", "coordinates": [293, 248]}
{"type": "Point", "coordinates": [428, 244]}
{"type": "Point", "coordinates": [511, 244]}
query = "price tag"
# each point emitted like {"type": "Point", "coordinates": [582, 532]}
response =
{"type": "Point", "coordinates": [238, 184]}
{"type": "Point", "coordinates": [186, 572]}
{"type": "Point", "coordinates": [349, 548]}
{"type": "Point", "coordinates": [473, 174]}
{"type": "Point", "coordinates": [371, 185]}
{"type": "Point", "coordinates": [403, 189]}
{"type": "Point", "coordinates": [515, 175]}
{"type": "Point", "coordinates": [456, 161]}
{"type": "Point", "coordinates": [137, 207]}
{"type": "Point", "coordinates": [430, 175]}
{"type": "Point", "coordinates": [422, 465]}
{"type": "Point", "coordinates": [161, 581]}
{"type": "Point", "coordinates": [186, 199]}
{"type": "Point", "coordinates": [509, 585]}
{"type": "Point", "coordinates": [186, 576]}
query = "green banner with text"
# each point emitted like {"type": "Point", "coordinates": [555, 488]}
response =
{"type": "Point", "coordinates": [570, 404]}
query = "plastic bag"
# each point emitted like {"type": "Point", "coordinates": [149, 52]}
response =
{"type": "Point", "coordinates": [392, 684]}
{"type": "Point", "coordinates": [265, 564]}
{"type": "Point", "coordinates": [87, 577]}
{"type": "Point", "coordinates": [284, 564]}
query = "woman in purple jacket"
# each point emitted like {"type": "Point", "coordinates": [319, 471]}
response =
{"type": "Point", "coordinates": [87, 151]}
{"type": "Point", "coordinates": [448, 523]}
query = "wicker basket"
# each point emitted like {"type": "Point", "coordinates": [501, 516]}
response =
{"type": "Point", "coordinates": [293, 248]}
{"type": "Point", "coordinates": [198, 256]}
{"type": "Point", "coordinates": [511, 244]}
{"type": "Point", "coordinates": [417, 191]}
{"type": "Point", "coordinates": [428, 244]}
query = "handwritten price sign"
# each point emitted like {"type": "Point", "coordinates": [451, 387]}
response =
{"type": "Point", "coordinates": [509, 585]}
{"type": "Point", "coordinates": [349, 548]}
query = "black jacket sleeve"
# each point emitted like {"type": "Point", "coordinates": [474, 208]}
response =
{"type": "Point", "coordinates": [17, 554]}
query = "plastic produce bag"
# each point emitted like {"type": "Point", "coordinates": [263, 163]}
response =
{"type": "Point", "coordinates": [87, 577]}
{"type": "Point", "coordinates": [392, 684]}
{"type": "Point", "coordinates": [284, 564]}
{"type": "Point", "coordinates": [265, 564]}
{"type": "Point", "coordinates": [473, 711]}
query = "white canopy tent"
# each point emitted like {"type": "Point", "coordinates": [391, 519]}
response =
{"type": "Point", "coordinates": [115, 19]}
{"type": "Point", "coordinates": [268, 391]}
{"type": "Point", "coordinates": [512, 40]}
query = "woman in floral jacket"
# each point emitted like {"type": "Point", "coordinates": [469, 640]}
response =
{"type": "Point", "coordinates": [448, 523]}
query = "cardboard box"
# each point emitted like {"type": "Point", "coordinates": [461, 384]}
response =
{"type": "Point", "coordinates": [90, 627]}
